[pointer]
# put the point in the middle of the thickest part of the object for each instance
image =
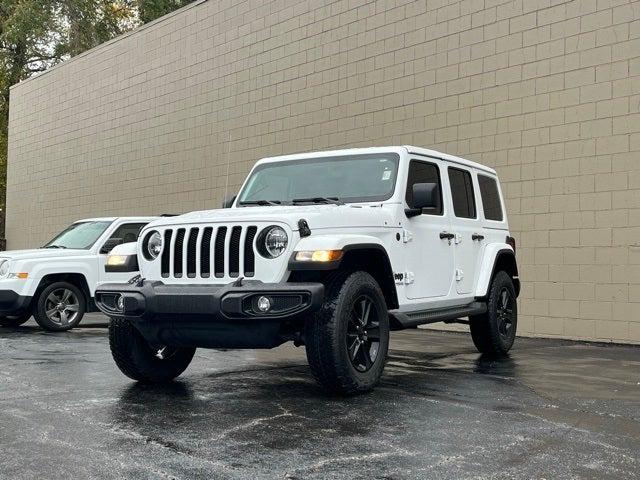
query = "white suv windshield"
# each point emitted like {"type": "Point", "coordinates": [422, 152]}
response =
{"type": "Point", "coordinates": [80, 235]}
{"type": "Point", "coordinates": [346, 178]}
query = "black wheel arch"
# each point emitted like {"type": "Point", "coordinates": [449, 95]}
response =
{"type": "Point", "coordinates": [506, 261]}
{"type": "Point", "coordinates": [77, 279]}
{"type": "Point", "coordinates": [368, 257]}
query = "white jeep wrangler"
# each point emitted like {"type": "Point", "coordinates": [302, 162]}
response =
{"type": "Point", "coordinates": [330, 250]}
{"type": "Point", "coordinates": [56, 283]}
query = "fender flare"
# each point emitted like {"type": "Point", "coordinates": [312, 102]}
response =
{"type": "Point", "coordinates": [495, 253]}
{"type": "Point", "coordinates": [383, 271]}
{"type": "Point", "coordinates": [345, 243]}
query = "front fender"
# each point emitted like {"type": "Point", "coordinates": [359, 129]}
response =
{"type": "Point", "coordinates": [38, 269]}
{"type": "Point", "coordinates": [343, 242]}
{"type": "Point", "coordinates": [335, 242]}
{"type": "Point", "coordinates": [490, 258]}
{"type": "Point", "coordinates": [124, 249]}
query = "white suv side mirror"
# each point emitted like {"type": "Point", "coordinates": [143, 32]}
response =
{"type": "Point", "coordinates": [425, 196]}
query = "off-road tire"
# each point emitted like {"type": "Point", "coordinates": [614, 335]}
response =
{"type": "Point", "coordinates": [14, 320]}
{"type": "Point", "coordinates": [40, 310]}
{"type": "Point", "coordinates": [137, 359]}
{"type": "Point", "coordinates": [485, 327]}
{"type": "Point", "coordinates": [326, 341]}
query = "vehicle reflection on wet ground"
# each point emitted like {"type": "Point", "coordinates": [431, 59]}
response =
{"type": "Point", "coordinates": [552, 409]}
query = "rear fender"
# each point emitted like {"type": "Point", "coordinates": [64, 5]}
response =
{"type": "Point", "coordinates": [497, 256]}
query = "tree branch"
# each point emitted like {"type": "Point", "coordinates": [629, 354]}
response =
{"type": "Point", "coordinates": [41, 68]}
{"type": "Point", "coordinates": [43, 58]}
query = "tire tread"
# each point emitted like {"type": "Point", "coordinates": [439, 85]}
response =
{"type": "Point", "coordinates": [40, 316]}
{"type": "Point", "coordinates": [136, 360]}
{"type": "Point", "coordinates": [322, 343]}
{"type": "Point", "coordinates": [484, 331]}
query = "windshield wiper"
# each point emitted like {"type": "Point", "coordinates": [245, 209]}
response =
{"type": "Point", "coordinates": [54, 246]}
{"type": "Point", "coordinates": [261, 202]}
{"type": "Point", "coordinates": [330, 200]}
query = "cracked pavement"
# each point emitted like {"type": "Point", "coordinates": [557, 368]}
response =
{"type": "Point", "coordinates": [553, 409]}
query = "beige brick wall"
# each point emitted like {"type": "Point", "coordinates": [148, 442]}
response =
{"type": "Point", "coordinates": [545, 91]}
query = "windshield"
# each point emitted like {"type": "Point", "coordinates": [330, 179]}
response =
{"type": "Point", "coordinates": [80, 235]}
{"type": "Point", "coordinates": [347, 178]}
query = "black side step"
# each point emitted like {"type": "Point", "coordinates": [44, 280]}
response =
{"type": "Point", "coordinates": [447, 315]}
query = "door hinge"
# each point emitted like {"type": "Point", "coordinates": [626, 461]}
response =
{"type": "Point", "coordinates": [459, 274]}
{"type": "Point", "coordinates": [409, 277]}
{"type": "Point", "coordinates": [407, 236]}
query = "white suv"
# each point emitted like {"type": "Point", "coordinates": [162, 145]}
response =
{"type": "Point", "coordinates": [56, 283]}
{"type": "Point", "coordinates": [330, 250]}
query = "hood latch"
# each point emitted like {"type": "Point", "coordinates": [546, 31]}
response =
{"type": "Point", "coordinates": [303, 227]}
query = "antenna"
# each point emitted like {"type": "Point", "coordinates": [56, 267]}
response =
{"type": "Point", "coordinates": [226, 182]}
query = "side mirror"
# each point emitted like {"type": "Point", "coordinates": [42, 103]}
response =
{"type": "Point", "coordinates": [109, 244]}
{"type": "Point", "coordinates": [227, 202]}
{"type": "Point", "coordinates": [426, 196]}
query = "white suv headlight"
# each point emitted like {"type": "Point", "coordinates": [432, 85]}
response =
{"type": "Point", "coordinates": [4, 268]}
{"type": "Point", "coordinates": [152, 245]}
{"type": "Point", "coordinates": [272, 242]}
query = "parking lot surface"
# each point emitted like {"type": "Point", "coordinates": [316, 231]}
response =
{"type": "Point", "coordinates": [553, 409]}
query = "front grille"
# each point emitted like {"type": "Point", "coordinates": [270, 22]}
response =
{"type": "Point", "coordinates": [205, 253]}
{"type": "Point", "coordinates": [218, 256]}
{"type": "Point", "coordinates": [202, 251]}
{"type": "Point", "coordinates": [178, 253]}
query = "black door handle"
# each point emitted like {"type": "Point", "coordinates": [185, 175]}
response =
{"type": "Point", "coordinates": [447, 235]}
{"type": "Point", "coordinates": [477, 236]}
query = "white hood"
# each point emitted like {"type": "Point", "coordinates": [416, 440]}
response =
{"type": "Point", "coordinates": [317, 216]}
{"type": "Point", "coordinates": [37, 253]}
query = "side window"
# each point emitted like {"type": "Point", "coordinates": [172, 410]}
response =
{"type": "Point", "coordinates": [464, 203]}
{"type": "Point", "coordinates": [128, 232]}
{"type": "Point", "coordinates": [490, 198]}
{"type": "Point", "coordinates": [423, 172]}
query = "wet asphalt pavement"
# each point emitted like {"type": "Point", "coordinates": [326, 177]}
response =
{"type": "Point", "coordinates": [553, 409]}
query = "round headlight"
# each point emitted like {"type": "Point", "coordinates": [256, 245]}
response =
{"type": "Point", "coordinates": [274, 241]}
{"type": "Point", "coordinates": [153, 245]}
{"type": "Point", "coordinates": [4, 268]}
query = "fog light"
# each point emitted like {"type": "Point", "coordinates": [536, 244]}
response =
{"type": "Point", "coordinates": [264, 304]}
{"type": "Point", "coordinates": [120, 303]}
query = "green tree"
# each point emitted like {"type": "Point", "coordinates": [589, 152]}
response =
{"type": "Point", "coordinates": [37, 34]}
{"type": "Point", "coordinates": [149, 10]}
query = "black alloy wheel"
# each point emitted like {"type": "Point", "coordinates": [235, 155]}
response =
{"type": "Point", "coordinates": [363, 334]}
{"type": "Point", "coordinates": [504, 312]}
{"type": "Point", "coordinates": [494, 331]}
{"type": "Point", "coordinates": [347, 340]}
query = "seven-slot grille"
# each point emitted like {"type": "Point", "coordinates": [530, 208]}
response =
{"type": "Point", "coordinates": [204, 252]}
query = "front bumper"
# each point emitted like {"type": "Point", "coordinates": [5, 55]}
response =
{"type": "Point", "coordinates": [212, 316]}
{"type": "Point", "coordinates": [12, 303]}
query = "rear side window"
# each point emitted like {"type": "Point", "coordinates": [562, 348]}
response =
{"type": "Point", "coordinates": [490, 198]}
{"type": "Point", "coordinates": [464, 203]}
{"type": "Point", "coordinates": [423, 172]}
